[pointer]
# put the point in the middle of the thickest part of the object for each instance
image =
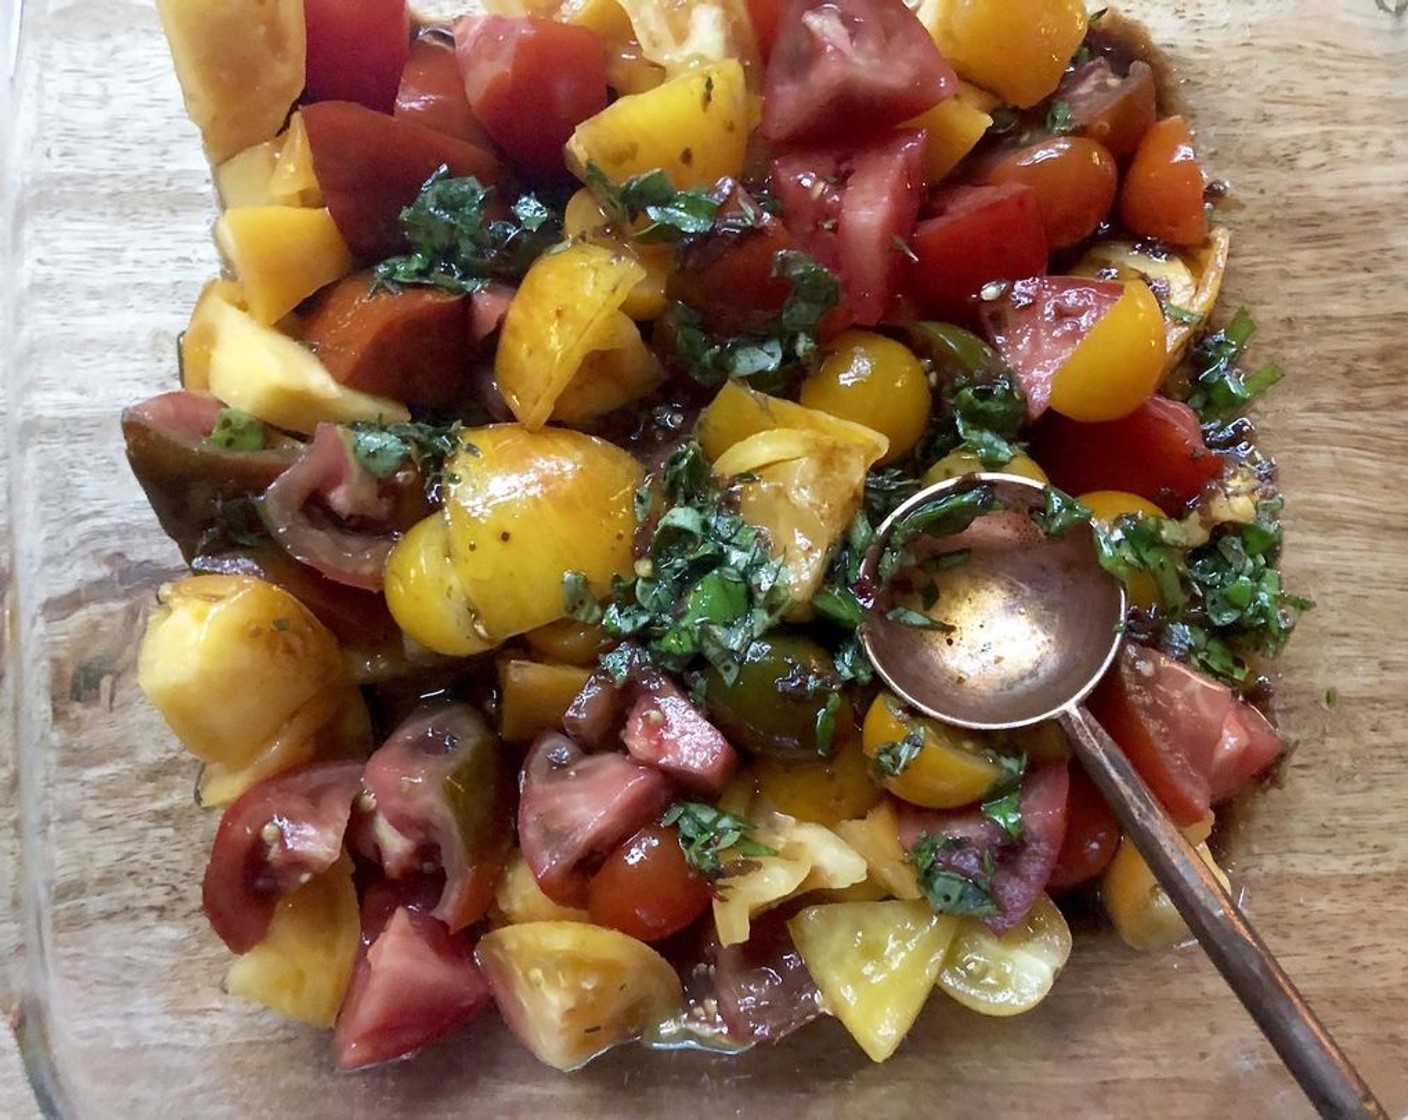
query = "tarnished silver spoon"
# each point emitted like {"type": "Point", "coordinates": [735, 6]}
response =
{"type": "Point", "coordinates": [1032, 622]}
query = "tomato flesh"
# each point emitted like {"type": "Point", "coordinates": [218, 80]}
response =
{"type": "Point", "coordinates": [847, 68]}
{"type": "Point", "coordinates": [356, 51]}
{"type": "Point", "coordinates": [1162, 195]}
{"type": "Point", "coordinates": [530, 82]}
{"type": "Point", "coordinates": [977, 235]}
{"type": "Point", "coordinates": [1074, 179]}
{"type": "Point", "coordinates": [1157, 452]}
{"type": "Point", "coordinates": [646, 888]}
{"type": "Point", "coordinates": [1092, 835]}
{"type": "Point", "coordinates": [1116, 111]}
{"type": "Point", "coordinates": [431, 93]}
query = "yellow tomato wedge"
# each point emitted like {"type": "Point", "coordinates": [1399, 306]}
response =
{"type": "Point", "coordinates": [951, 766]}
{"type": "Point", "coordinates": [1010, 974]}
{"type": "Point", "coordinates": [1018, 49]}
{"type": "Point", "coordinates": [302, 967]}
{"type": "Point", "coordinates": [518, 898]}
{"type": "Point", "coordinates": [875, 963]}
{"type": "Point", "coordinates": [694, 127]}
{"type": "Point", "coordinates": [1143, 914]}
{"type": "Point", "coordinates": [282, 255]}
{"type": "Point", "coordinates": [738, 412]}
{"type": "Point", "coordinates": [824, 791]}
{"type": "Point", "coordinates": [534, 696]}
{"type": "Point", "coordinates": [877, 839]}
{"type": "Point", "coordinates": [569, 990]}
{"type": "Point", "coordinates": [1118, 365]}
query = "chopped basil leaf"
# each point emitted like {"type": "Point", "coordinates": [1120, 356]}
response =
{"type": "Point", "coordinates": [670, 214]}
{"type": "Point", "coordinates": [457, 246]}
{"type": "Point", "coordinates": [1221, 389]}
{"type": "Point", "coordinates": [1061, 512]}
{"type": "Point", "coordinates": [907, 617]}
{"type": "Point", "coordinates": [894, 758]}
{"type": "Point", "coordinates": [237, 431]}
{"type": "Point", "coordinates": [949, 891]}
{"type": "Point", "coordinates": [1182, 315]}
{"type": "Point", "coordinates": [384, 448]}
{"type": "Point", "coordinates": [1005, 812]}
{"type": "Point", "coordinates": [707, 833]}
{"type": "Point", "coordinates": [1059, 118]}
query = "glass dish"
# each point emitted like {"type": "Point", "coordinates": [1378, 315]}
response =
{"type": "Point", "coordinates": [110, 972]}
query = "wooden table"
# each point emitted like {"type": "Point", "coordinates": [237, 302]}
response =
{"type": "Point", "coordinates": [1303, 106]}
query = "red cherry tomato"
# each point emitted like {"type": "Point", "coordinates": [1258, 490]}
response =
{"type": "Point", "coordinates": [530, 82]}
{"type": "Point", "coordinates": [646, 888]}
{"type": "Point", "coordinates": [1157, 452]}
{"type": "Point", "coordinates": [1163, 188]}
{"type": "Point", "coordinates": [1115, 111]}
{"type": "Point", "coordinates": [1074, 179]}
{"type": "Point", "coordinates": [356, 50]}
{"type": "Point", "coordinates": [1092, 835]}
{"type": "Point", "coordinates": [978, 235]}
{"type": "Point", "coordinates": [432, 94]}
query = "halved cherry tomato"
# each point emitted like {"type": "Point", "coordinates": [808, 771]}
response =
{"type": "Point", "coordinates": [1162, 195]}
{"type": "Point", "coordinates": [1092, 835]}
{"type": "Point", "coordinates": [1168, 719]}
{"type": "Point", "coordinates": [1075, 181]}
{"type": "Point", "coordinates": [1248, 747]}
{"type": "Point", "coordinates": [646, 888]}
{"type": "Point", "coordinates": [977, 235]}
{"type": "Point", "coordinates": [1038, 325]}
{"type": "Point", "coordinates": [432, 94]}
{"type": "Point", "coordinates": [356, 50]}
{"type": "Point", "coordinates": [370, 166]}
{"type": "Point", "coordinates": [1118, 365]}
{"type": "Point", "coordinates": [1107, 506]}
{"type": "Point", "coordinates": [1157, 452]}
{"type": "Point", "coordinates": [530, 82]}
{"type": "Point", "coordinates": [1105, 107]}
{"type": "Point", "coordinates": [854, 210]}
{"type": "Point", "coordinates": [849, 68]}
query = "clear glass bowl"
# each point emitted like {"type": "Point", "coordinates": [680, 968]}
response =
{"type": "Point", "coordinates": [110, 971]}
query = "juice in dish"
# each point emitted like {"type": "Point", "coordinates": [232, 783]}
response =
{"type": "Point", "coordinates": [524, 459]}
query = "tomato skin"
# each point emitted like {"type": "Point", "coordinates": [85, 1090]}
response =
{"type": "Point", "coordinates": [765, 16]}
{"type": "Point", "coordinates": [1168, 720]}
{"type": "Point", "coordinates": [1115, 111]}
{"type": "Point", "coordinates": [1248, 747]}
{"type": "Point", "coordinates": [1075, 180]}
{"type": "Point", "coordinates": [1092, 835]}
{"type": "Point", "coordinates": [1157, 452]}
{"type": "Point", "coordinates": [979, 234]}
{"type": "Point", "coordinates": [851, 209]}
{"type": "Point", "coordinates": [432, 94]}
{"type": "Point", "coordinates": [356, 50]}
{"type": "Point", "coordinates": [370, 166]}
{"type": "Point", "coordinates": [1162, 195]}
{"type": "Point", "coordinates": [849, 68]}
{"type": "Point", "coordinates": [645, 888]}
{"type": "Point", "coordinates": [530, 82]}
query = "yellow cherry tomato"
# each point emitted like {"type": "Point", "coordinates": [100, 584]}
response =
{"type": "Point", "coordinates": [568, 642]}
{"type": "Point", "coordinates": [1010, 974]}
{"type": "Point", "coordinates": [952, 766]}
{"type": "Point", "coordinates": [424, 595]}
{"type": "Point", "coordinates": [1118, 365]}
{"type": "Point", "coordinates": [875, 381]}
{"type": "Point", "coordinates": [1107, 506]}
{"type": "Point", "coordinates": [965, 461]}
{"type": "Point", "coordinates": [1015, 48]}
{"type": "Point", "coordinates": [824, 790]}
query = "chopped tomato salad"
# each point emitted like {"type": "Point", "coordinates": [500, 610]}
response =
{"type": "Point", "coordinates": [525, 455]}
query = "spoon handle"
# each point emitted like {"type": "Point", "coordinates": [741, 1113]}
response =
{"type": "Point", "coordinates": [1324, 1073]}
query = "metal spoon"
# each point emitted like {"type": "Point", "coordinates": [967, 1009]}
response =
{"type": "Point", "coordinates": [1035, 622]}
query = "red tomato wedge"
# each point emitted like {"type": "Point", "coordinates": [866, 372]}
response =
{"type": "Point", "coordinates": [1162, 196]}
{"type": "Point", "coordinates": [853, 211]}
{"type": "Point", "coordinates": [1247, 749]}
{"type": "Point", "coordinates": [574, 808]}
{"type": "Point", "coordinates": [1116, 111]}
{"type": "Point", "coordinates": [431, 93]}
{"type": "Point", "coordinates": [271, 840]}
{"type": "Point", "coordinates": [1038, 323]}
{"type": "Point", "coordinates": [444, 798]}
{"type": "Point", "coordinates": [370, 166]}
{"type": "Point", "coordinates": [356, 51]}
{"type": "Point", "coordinates": [410, 345]}
{"type": "Point", "coordinates": [1157, 452]}
{"type": "Point", "coordinates": [765, 16]}
{"type": "Point", "coordinates": [530, 82]}
{"type": "Point", "coordinates": [848, 68]}
{"type": "Point", "coordinates": [763, 989]}
{"type": "Point", "coordinates": [646, 888]}
{"type": "Point", "coordinates": [1021, 868]}
{"type": "Point", "coordinates": [977, 235]}
{"type": "Point", "coordinates": [1168, 720]}
{"type": "Point", "coordinates": [664, 730]}
{"type": "Point", "coordinates": [413, 984]}
{"type": "Point", "coordinates": [1092, 835]}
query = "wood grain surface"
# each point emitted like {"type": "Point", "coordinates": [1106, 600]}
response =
{"type": "Point", "coordinates": [1301, 105]}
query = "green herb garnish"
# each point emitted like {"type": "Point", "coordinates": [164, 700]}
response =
{"type": "Point", "coordinates": [1060, 513]}
{"type": "Point", "coordinates": [950, 891]}
{"type": "Point", "coordinates": [670, 214]}
{"type": "Point", "coordinates": [707, 833]}
{"type": "Point", "coordinates": [383, 449]}
{"type": "Point", "coordinates": [1221, 389]}
{"type": "Point", "coordinates": [1059, 117]}
{"type": "Point", "coordinates": [457, 246]}
{"type": "Point", "coordinates": [894, 758]}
